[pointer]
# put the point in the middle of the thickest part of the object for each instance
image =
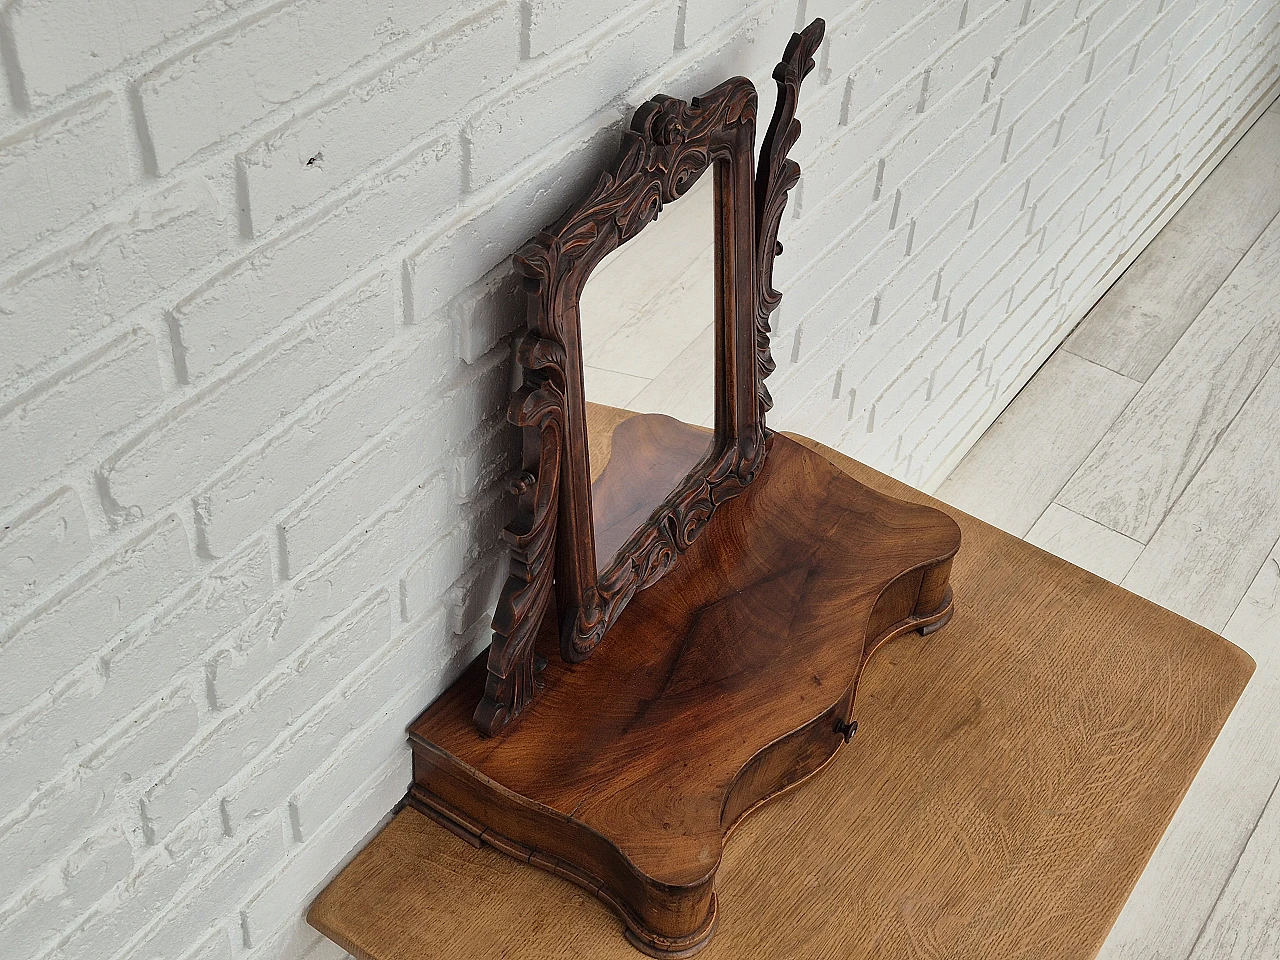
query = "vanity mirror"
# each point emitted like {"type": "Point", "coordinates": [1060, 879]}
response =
{"type": "Point", "coordinates": [727, 584]}
{"type": "Point", "coordinates": [596, 306]}
{"type": "Point", "coordinates": [648, 316]}
{"type": "Point", "coordinates": [648, 320]}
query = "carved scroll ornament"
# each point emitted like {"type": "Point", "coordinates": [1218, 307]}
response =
{"type": "Point", "coordinates": [670, 144]}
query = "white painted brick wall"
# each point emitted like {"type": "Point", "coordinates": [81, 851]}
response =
{"type": "Point", "coordinates": [257, 321]}
{"type": "Point", "coordinates": [85, 288]}
{"type": "Point", "coordinates": [90, 400]}
{"type": "Point", "coordinates": [379, 117]}
{"type": "Point", "coordinates": [60, 168]}
{"type": "Point", "coordinates": [230, 80]}
{"type": "Point", "coordinates": [40, 546]}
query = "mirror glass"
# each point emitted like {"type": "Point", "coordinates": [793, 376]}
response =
{"type": "Point", "coordinates": [648, 347]}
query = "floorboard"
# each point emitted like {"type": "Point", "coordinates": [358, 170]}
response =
{"type": "Point", "coordinates": [1245, 923]}
{"type": "Point", "coordinates": [1085, 543]}
{"type": "Point", "coordinates": [1154, 448]}
{"type": "Point", "coordinates": [1145, 312]}
{"type": "Point", "coordinates": [1201, 560]}
{"type": "Point", "coordinates": [1022, 461]}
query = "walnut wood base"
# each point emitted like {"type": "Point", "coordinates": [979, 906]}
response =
{"type": "Point", "coordinates": [727, 682]}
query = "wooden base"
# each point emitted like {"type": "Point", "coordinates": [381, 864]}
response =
{"type": "Point", "coordinates": [729, 681]}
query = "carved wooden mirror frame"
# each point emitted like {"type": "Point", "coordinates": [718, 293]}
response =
{"type": "Point", "coordinates": [671, 144]}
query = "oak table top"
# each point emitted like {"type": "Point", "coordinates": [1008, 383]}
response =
{"type": "Point", "coordinates": [1010, 777]}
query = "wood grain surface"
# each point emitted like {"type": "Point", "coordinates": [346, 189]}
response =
{"type": "Point", "coordinates": [1179, 904]}
{"type": "Point", "coordinates": [1038, 442]}
{"type": "Point", "coordinates": [725, 683]}
{"type": "Point", "coordinates": [1157, 445]}
{"type": "Point", "coordinates": [1010, 778]}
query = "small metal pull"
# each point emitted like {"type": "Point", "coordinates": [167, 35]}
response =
{"type": "Point", "coordinates": [847, 729]}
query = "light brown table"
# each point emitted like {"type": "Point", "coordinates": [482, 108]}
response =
{"type": "Point", "coordinates": [1010, 777]}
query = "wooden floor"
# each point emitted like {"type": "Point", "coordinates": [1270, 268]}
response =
{"type": "Point", "coordinates": [1147, 449]}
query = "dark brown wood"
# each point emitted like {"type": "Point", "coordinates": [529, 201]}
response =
{"type": "Point", "coordinates": [775, 176]}
{"type": "Point", "coordinates": [723, 684]}
{"type": "Point", "coordinates": [655, 454]}
{"type": "Point", "coordinates": [554, 546]}
{"type": "Point", "coordinates": [1009, 780]}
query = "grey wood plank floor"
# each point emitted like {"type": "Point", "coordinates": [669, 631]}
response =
{"type": "Point", "coordinates": [1147, 449]}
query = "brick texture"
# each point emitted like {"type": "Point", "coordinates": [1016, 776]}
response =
{"type": "Point", "coordinates": [59, 46]}
{"type": "Point", "coordinates": [244, 73]}
{"type": "Point", "coordinates": [38, 548]}
{"type": "Point", "coordinates": [56, 170]}
{"type": "Point", "coordinates": [258, 318]}
{"type": "Point", "coordinates": [405, 102]}
{"type": "Point", "coordinates": [87, 287]}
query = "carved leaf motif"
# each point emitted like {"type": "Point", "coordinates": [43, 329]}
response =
{"type": "Point", "coordinates": [539, 405]}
